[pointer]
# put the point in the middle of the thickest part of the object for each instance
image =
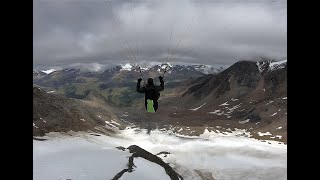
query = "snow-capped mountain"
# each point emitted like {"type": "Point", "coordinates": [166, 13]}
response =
{"type": "Point", "coordinates": [270, 65]}
{"type": "Point", "coordinates": [245, 93]}
{"type": "Point", "coordinates": [277, 65]}
{"type": "Point", "coordinates": [38, 74]}
{"type": "Point", "coordinates": [206, 69]}
{"type": "Point", "coordinates": [127, 70]}
{"type": "Point", "coordinates": [210, 69]}
{"type": "Point", "coordinates": [49, 71]}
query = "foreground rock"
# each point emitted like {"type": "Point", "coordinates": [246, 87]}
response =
{"type": "Point", "coordinates": [139, 152]}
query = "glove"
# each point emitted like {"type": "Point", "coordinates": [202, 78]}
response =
{"type": "Point", "coordinates": [161, 78]}
{"type": "Point", "coordinates": [139, 80]}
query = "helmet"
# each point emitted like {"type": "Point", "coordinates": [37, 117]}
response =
{"type": "Point", "coordinates": [150, 81]}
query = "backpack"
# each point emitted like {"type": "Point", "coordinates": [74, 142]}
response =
{"type": "Point", "coordinates": [157, 95]}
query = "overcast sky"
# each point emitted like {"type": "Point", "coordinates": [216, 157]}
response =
{"type": "Point", "coordinates": [136, 31]}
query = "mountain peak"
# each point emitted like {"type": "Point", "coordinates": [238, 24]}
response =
{"type": "Point", "coordinates": [126, 67]}
{"type": "Point", "coordinates": [49, 71]}
{"type": "Point", "coordinates": [271, 65]}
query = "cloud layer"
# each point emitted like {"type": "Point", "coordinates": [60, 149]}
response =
{"type": "Point", "coordinates": [190, 31]}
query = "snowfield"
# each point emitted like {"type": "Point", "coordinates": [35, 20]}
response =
{"type": "Point", "coordinates": [223, 157]}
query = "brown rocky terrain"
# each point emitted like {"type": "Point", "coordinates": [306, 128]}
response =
{"type": "Point", "coordinates": [56, 113]}
{"type": "Point", "coordinates": [247, 95]}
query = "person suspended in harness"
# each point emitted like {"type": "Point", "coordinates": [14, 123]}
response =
{"type": "Point", "coordinates": [152, 93]}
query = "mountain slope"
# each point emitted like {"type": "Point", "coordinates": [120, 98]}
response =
{"type": "Point", "coordinates": [242, 96]}
{"type": "Point", "coordinates": [55, 113]}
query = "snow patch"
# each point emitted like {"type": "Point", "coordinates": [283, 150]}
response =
{"type": "Point", "coordinates": [114, 122]}
{"type": "Point", "coordinates": [166, 66]}
{"type": "Point", "coordinates": [43, 120]}
{"type": "Point", "coordinates": [269, 102]}
{"type": "Point", "coordinates": [49, 71]}
{"type": "Point", "coordinates": [234, 108]}
{"type": "Point", "coordinates": [234, 99]}
{"type": "Point", "coordinates": [224, 104]}
{"type": "Point", "coordinates": [261, 66]}
{"type": "Point", "coordinates": [219, 114]}
{"type": "Point", "coordinates": [211, 135]}
{"type": "Point", "coordinates": [284, 98]}
{"type": "Point", "coordinates": [82, 119]}
{"type": "Point", "coordinates": [109, 124]}
{"type": "Point", "coordinates": [274, 114]}
{"type": "Point", "coordinates": [265, 134]}
{"type": "Point", "coordinates": [277, 65]}
{"type": "Point", "coordinates": [215, 112]}
{"type": "Point", "coordinates": [279, 127]}
{"type": "Point", "coordinates": [245, 121]}
{"type": "Point", "coordinates": [126, 67]}
{"type": "Point", "coordinates": [34, 125]}
{"type": "Point", "coordinates": [198, 107]}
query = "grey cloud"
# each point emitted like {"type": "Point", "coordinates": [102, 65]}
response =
{"type": "Point", "coordinates": [209, 32]}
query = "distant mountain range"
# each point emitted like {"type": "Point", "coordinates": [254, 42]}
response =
{"type": "Point", "coordinates": [247, 95]}
{"type": "Point", "coordinates": [116, 84]}
{"type": "Point", "coordinates": [206, 69]}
